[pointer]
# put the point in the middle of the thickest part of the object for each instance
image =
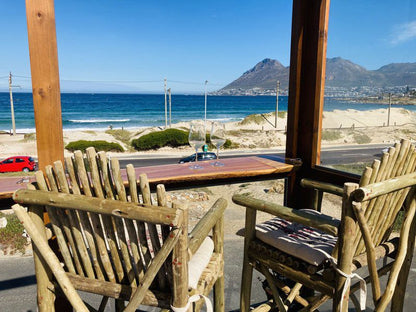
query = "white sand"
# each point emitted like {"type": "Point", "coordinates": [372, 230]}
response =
{"type": "Point", "coordinates": [349, 124]}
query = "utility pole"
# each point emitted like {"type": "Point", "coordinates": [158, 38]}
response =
{"type": "Point", "coordinates": [205, 116]}
{"type": "Point", "coordinates": [277, 103]}
{"type": "Point", "coordinates": [166, 108]}
{"type": "Point", "coordinates": [388, 115]}
{"type": "Point", "coordinates": [11, 103]}
{"type": "Point", "coordinates": [170, 108]}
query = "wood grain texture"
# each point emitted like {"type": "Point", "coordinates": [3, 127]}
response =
{"type": "Point", "coordinates": [45, 80]}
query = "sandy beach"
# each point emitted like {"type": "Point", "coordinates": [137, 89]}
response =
{"type": "Point", "coordinates": [255, 132]}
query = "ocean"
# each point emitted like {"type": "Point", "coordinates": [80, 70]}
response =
{"type": "Point", "coordinates": [82, 111]}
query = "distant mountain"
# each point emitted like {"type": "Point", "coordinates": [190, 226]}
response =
{"type": "Point", "coordinates": [264, 75]}
{"type": "Point", "coordinates": [340, 74]}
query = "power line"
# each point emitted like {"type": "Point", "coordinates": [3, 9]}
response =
{"type": "Point", "coordinates": [123, 81]}
{"type": "Point", "coordinates": [114, 81]}
{"type": "Point", "coordinates": [195, 83]}
{"type": "Point", "coordinates": [22, 77]}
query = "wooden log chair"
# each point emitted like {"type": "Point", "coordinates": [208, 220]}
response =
{"type": "Point", "coordinates": [116, 242]}
{"type": "Point", "coordinates": [305, 248]}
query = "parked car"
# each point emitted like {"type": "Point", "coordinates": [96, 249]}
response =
{"type": "Point", "coordinates": [201, 156]}
{"type": "Point", "coordinates": [18, 163]}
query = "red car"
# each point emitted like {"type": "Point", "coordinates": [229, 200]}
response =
{"type": "Point", "coordinates": [18, 163]}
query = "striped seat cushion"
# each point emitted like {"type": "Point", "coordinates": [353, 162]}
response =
{"type": "Point", "coordinates": [303, 242]}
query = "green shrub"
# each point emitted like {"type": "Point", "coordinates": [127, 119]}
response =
{"type": "Point", "coordinates": [154, 140]}
{"type": "Point", "coordinates": [29, 137]}
{"type": "Point", "coordinates": [281, 114]}
{"type": "Point", "coordinates": [99, 145]}
{"type": "Point", "coordinates": [356, 168]}
{"type": "Point", "coordinates": [362, 138]}
{"type": "Point", "coordinates": [11, 235]}
{"type": "Point", "coordinates": [328, 135]}
{"type": "Point", "coordinates": [227, 144]}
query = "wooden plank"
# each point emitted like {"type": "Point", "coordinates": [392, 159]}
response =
{"type": "Point", "coordinates": [45, 80]}
{"type": "Point", "coordinates": [233, 168]}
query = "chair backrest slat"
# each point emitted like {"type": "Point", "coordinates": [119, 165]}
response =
{"type": "Point", "coordinates": [81, 223]}
{"type": "Point", "coordinates": [162, 201]}
{"type": "Point", "coordinates": [75, 223]}
{"type": "Point", "coordinates": [134, 241]}
{"type": "Point", "coordinates": [56, 226]}
{"type": "Point", "coordinates": [154, 232]}
{"type": "Point", "coordinates": [122, 225]}
{"type": "Point", "coordinates": [381, 212]}
{"type": "Point", "coordinates": [69, 164]}
{"type": "Point", "coordinates": [66, 224]}
{"type": "Point", "coordinates": [80, 181]}
{"type": "Point", "coordinates": [82, 174]}
{"type": "Point", "coordinates": [109, 226]}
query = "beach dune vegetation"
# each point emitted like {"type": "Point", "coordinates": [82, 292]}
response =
{"type": "Point", "coordinates": [11, 236]}
{"type": "Point", "coordinates": [260, 119]}
{"type": "Point", "coordinates": [99, 145]}
{"type": "Point", "coordinates": [226, 145]}
{"type": "Point", "coordinates": [120, 134]}
{"type": "Point", "coordinates": [331, 135]}
{"type": "Point", "coordinates": [155, 140]}
{"type": "Point", "coordinates": [362, 138]}
{"type": "Point", "coordinates": [29, 137]}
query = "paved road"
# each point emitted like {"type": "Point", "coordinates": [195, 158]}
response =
{"type": "Point", "coordinates": [329, 156]}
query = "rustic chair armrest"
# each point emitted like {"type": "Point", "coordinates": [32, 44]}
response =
{"type": "Point", "coordinates": [322, 186]}
{"type": "Point", "coordinates": [321, 222]}
{"type": "Point", "coordinates": [204, 226]}
{"type": "Point", "coordinates": [141, 212]}
{"type": "Point", "coordinates": [371, 191]}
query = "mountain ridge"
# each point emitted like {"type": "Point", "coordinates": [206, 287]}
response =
{"type": "Point", "coordinates": [341, 76]}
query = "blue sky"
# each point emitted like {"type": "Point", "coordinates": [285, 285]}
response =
{"type": "Point", "coordinates": [131, 46]}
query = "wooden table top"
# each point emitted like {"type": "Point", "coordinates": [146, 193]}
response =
{"type": "Point", "coordinates": [180, 175]}
{"type": "Point", "coordinates": [238, 167]}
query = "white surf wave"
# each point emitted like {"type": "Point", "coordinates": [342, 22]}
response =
{"type": "Point", "coordinates": [97, 120]}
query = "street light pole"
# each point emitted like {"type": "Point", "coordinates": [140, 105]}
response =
{"type": "Point", "coordinates": [205, 117]}
{"type": "Point", "coordinates": [170, 108]}
{"type": "Point", "coordinates": [277, 103]}
{"type": "Point", "coordinates": [166, 108]}
{"type": "Point", "coordinates": [11, 104]}
{"type": "Point", "coordinates": [388, 115]}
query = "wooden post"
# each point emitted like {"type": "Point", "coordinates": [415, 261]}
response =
{"type": "Point", "coordinates": [43, 50]}
{"type": "Point", "coordinates": [306, 91]}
